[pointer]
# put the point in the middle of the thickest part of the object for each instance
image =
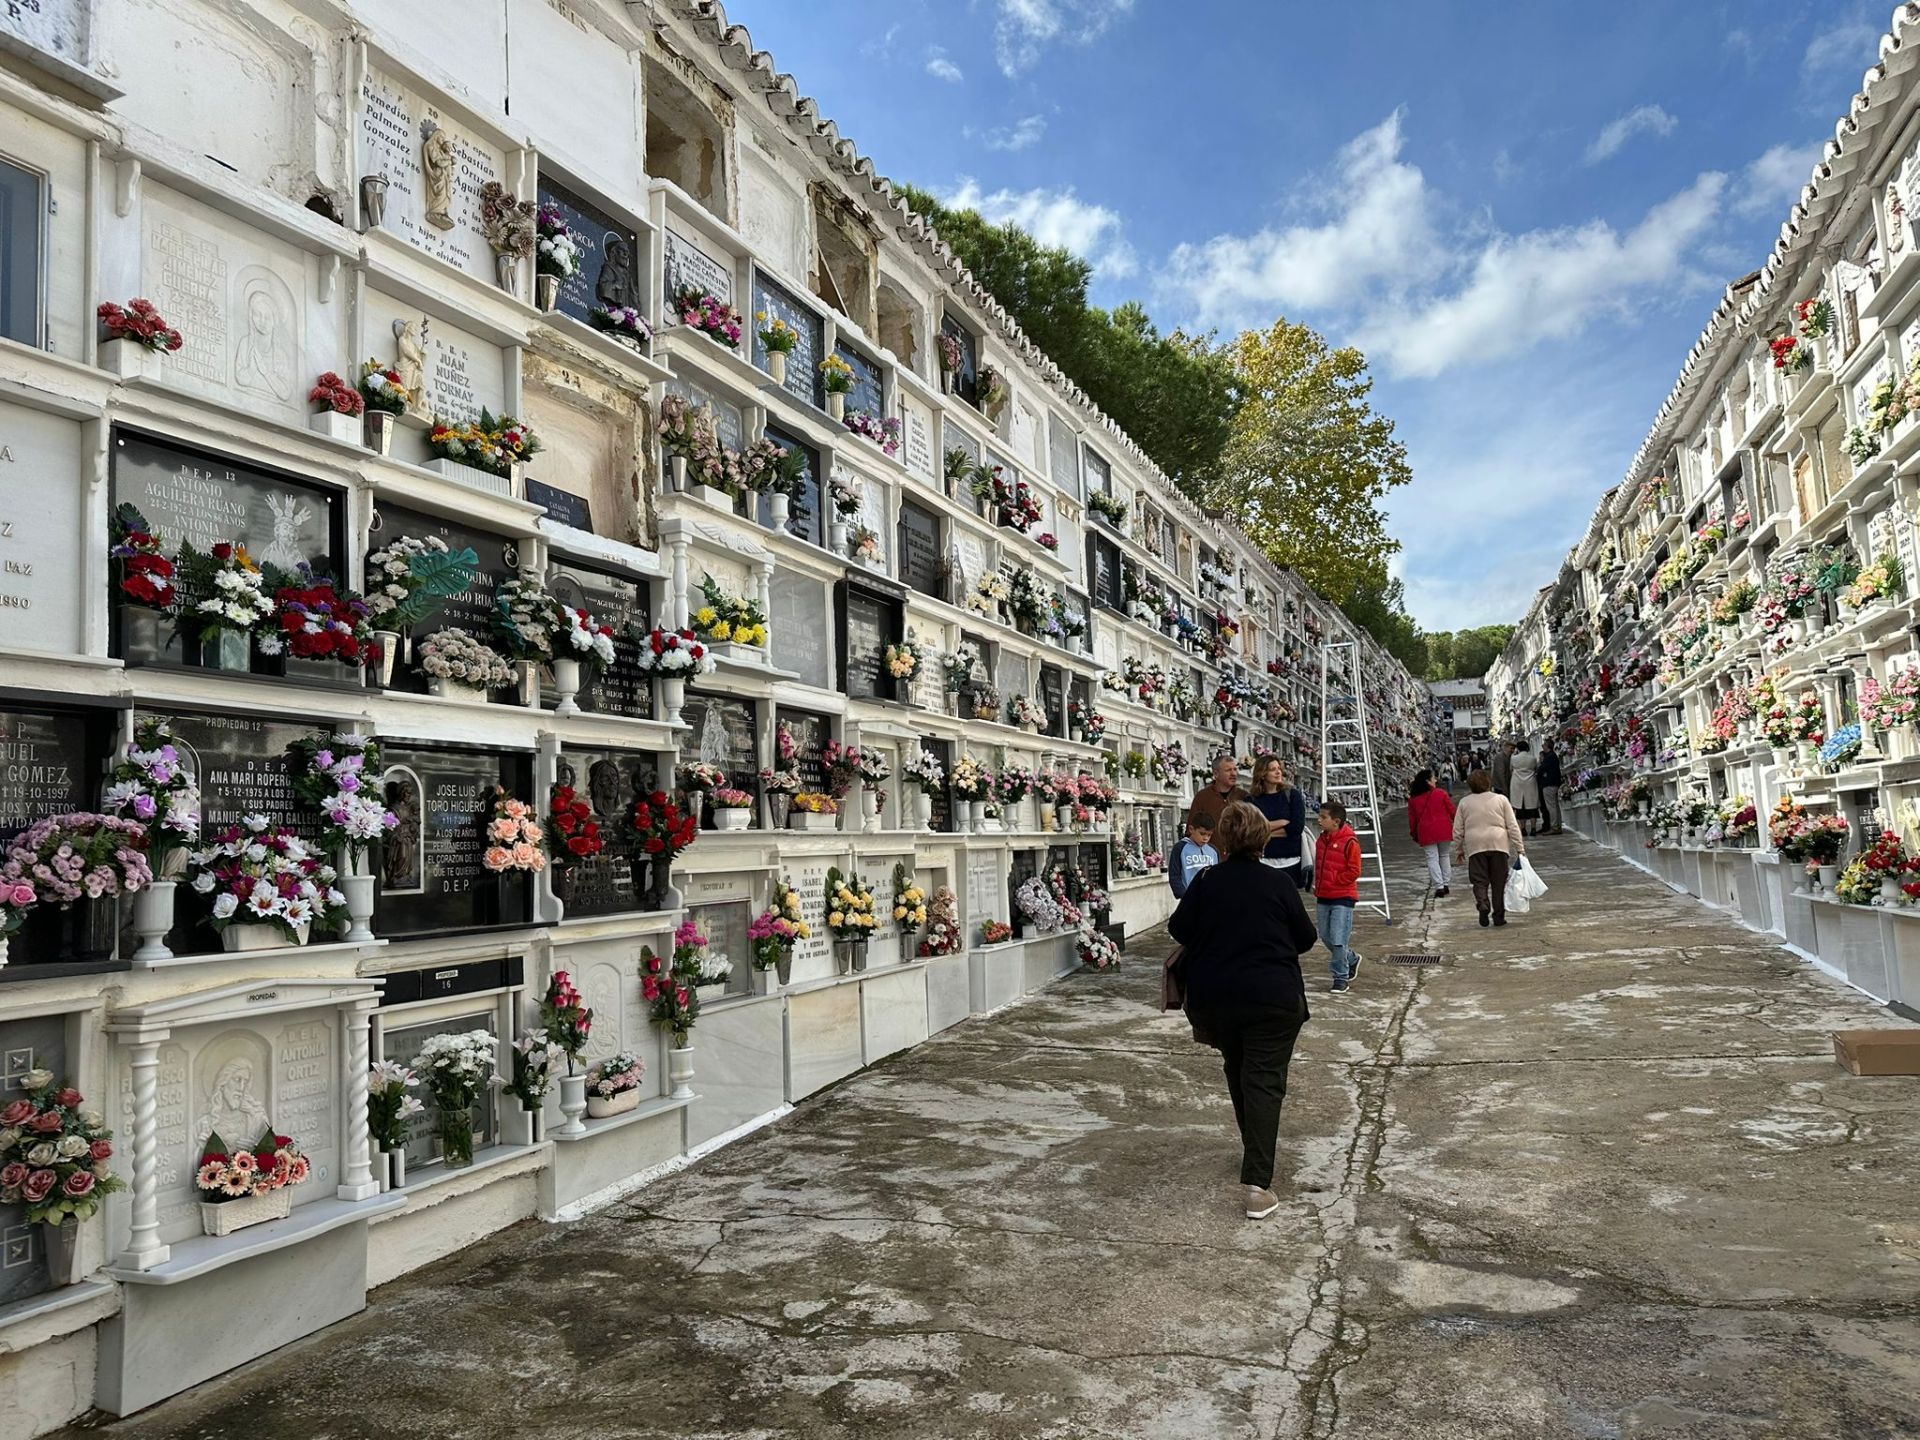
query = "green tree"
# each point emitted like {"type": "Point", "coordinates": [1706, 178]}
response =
{"type": "Point", "coordinates": [1309, 461]}
{"type": "Point", "coordinates": [1174, 394]}
{"type": "Point", "coordinates": [1465, 654]}
{"type": "Point", "coordinates": [1378, 605]}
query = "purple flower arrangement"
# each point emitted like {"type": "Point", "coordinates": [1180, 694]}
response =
{"type": "Point", "coordinates": [710, 315]}
{"type": "Point", "coordinates": [884, 433]}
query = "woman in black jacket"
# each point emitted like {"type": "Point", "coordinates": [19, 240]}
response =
{"type": "Point", "coordinates": [1244, 927]}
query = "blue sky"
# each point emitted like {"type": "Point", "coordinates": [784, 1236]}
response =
{"type": "Point", "coordinates": [1522, 212]}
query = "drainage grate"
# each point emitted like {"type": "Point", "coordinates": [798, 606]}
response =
{"type": "Point", "coordinates": [1444, 960]}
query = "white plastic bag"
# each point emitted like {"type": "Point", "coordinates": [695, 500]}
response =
{"type": "Point", "coordinates": [1524, 886]}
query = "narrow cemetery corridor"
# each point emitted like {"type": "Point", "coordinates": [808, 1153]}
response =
{"type": "Point", "coordinates": [1597, 1174]}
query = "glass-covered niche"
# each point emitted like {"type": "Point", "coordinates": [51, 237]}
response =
{"type": "Point", "coordinates": [608, 275]}
{"type": "Point", "coordinates": [430, 868]}
{"type": "Point", "coordinates": [51, 760]}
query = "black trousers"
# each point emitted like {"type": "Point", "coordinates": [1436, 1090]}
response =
{"type": "Point", "coordinates": [1256, 1046]}
{"type": "Point", "coordinates": [1488, 871]}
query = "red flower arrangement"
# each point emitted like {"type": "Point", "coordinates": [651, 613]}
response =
{"type": "Point", "coordinates": [664, 828]}
{"type": "Point", "coordinates": [274, 1163]}
{"type": "Point", "coordinates": [319, 622]}
{"type": "Point", "coordinates": [330, 392]}
{"type": "Point", "coordinates": [146, 575]}
{"type": "Point", "coordinates": [573, 834]}
{"type": "Point", "coordinates": [1015, 503]}
{"type": "Point", "coordinates": [1789, 354]}
{"type": "Point", "coordinates": [1047, 540]}
{"type": "Point", "coordinates": [140, 323]}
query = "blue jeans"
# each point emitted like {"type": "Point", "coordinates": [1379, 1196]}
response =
{"type": "Point", "coordinates": [1336, 928]}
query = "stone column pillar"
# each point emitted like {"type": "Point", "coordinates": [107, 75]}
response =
{"type": "Point", "coordinates": [356, 1180]}
{"type": "Point", "coordinates": [144, 1250]}
{"type": "Point", "coordinates": [677, 593]}
{"type": "Point", "coordinates": [763, 592]}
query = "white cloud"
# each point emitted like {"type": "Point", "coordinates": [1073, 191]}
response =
{"type": "Point", "coordinates": [1545, 285]}
{"type": "Point", "coordinates": [1641, 120]}
{"type": "Point", "coordinates": [1849, 45]}
{"type": "Point", "coordinates": [1055, 217]}
{"type": "Point", "coordinates": [942, 68]}
{"type": "Point", "coordinates": [1773, 182]}
{"type": "Point", "coordinates": [1024, 29]}
{"type": "Point", "coordinates": [1376, 232]}
{"type": "Point", "coordinates": [1021, 135]}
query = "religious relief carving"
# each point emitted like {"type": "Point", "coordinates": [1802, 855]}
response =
{"type": "Point", "coordinates": [436, 169]}
{"type": "Point", "coordinates": [230, 1106]}
{"type": "Point", "coordinates": [410, 360]}
{"type": "Point", "coordinates": [1896, 221]}
{"type": "Point", "coordinates": [400, 851]}
{"type": "Point", "coordinates": [614, 288]}
{"type": "Point", "coordinates": [265, 359]}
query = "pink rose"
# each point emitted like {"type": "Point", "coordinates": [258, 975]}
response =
{"type": "Point", "coordinates": [37, 1186]}
{"type": "Point", "coordinates": [48, 1122]}
{"type": "Point", "coordinates": [17, 1113]}
{"type": "Point", "coordinates": [68, 1097]}
{"type": "Point", "coordinates": [12, 1176]}
{"type": "Point", "coordinates": [79, 1183]}
{"type": "Point", "coordinates": [22, 894]}
{"type": "Point", "coordinates": [100, 1149]}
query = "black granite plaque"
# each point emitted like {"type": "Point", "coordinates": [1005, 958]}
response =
{"type": "Point", "coordinates": [869, 387]}
{"type": "Point", "coordinates": [810, 731]}
{"type": "Point", "coordinates": [922, 557]}
{"type": "Point", "coordinates": [472, 609]}
{"type": "Point", "coordinates": [203, 498]}
{"type": "Point", "coordinates": [240, 762]}
{"type": "Point", "coordinates": [969, 356]}
{"type": "Point", "coordinates": [1103, 564]}
{"type": "Point", "coordinates": [431, 874]}
{"type": "Point", "coordinates": [1026, 864]}
{"type": "Point", "coordinates": [943, 797]}
{"type": "Point", "coordinates": [868, 624]}
{"type": "Point", "coordinates": [724, 733]}
{"type": "Point", "coordinates": [803, 361]}
{"type": "Point", "coordinates": [1093, 863]}
{"type": "Point", "coordinates": [46, 767]}
{"type": "Point", "coordinates": [623, 688]}
{"type": "Point", "coordinates": [610, 781]}
{"type": "Point", "coordinates": [609, 271]}
{"type": "Point", "coordinates": [1053, 696]}
{"type": "Point", "coordinates": [562, 506]}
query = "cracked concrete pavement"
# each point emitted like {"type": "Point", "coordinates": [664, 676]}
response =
{"type": "Point", "coordinates": [1598, 1177]}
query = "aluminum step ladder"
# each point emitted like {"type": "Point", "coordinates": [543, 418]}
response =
{"type": "Point", "coordinates": [1346, 755]}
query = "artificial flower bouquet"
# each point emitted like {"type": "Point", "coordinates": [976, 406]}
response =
{"type": "Point", "coordinates": [995, 932]}
{"type": "Point", "coordinates": [556, 249]}
{"type": "Point", "coordinates": [537, 1063]}
{"type": "Point", "coordinates": [582, 638]}
{"type": "Point", "coordinates": [390, 1109]}
{"type": "Point", "coordinates": [623, 323]}
{"type": "Point", "coordinates": [151, 787]}
{"type": "Point", "coordinates": [77, 855]}
{"type": "Point", "coordinates": [776, 335]}
{"type": "Point", "coordinates": [616, 1075]}
{"type": "Point", "coordinates": [253, 1181]}
{"type": "Point", "coordinates": [525, 618]}
{"type": "Point", "coordinates": [1035, 901]}
{"type": "Point", "coordinates": [513, 836]}
{"type": "Point", "coordinates": [813, 802]}
{"type": "Point", "coordinates": [701, 777]}
{"type": "Point", "coordinates": [924, 769]}
{"type": "Point", "coordinates": [565, 1017]}
{"type": "Point", "coordinates": [332, 395]}
{"type": "Point", "coordinates": [145, 574]}
{"type": "Point", "coordinates": [1096, 949]}
{"type": "Point", "coordinates": [227, 593]}
{"type": "Point", "coordinates": [53, 1153]}
{"type": "Point", "coordinates": [572, 833]}
{"type": "Point", "coordinates": [259, 873]}
{"type": "Point", "coordinates": [139, 322]}
{"type": "Point", "coordinates": [885, 432]}
{"type": "Point", "coordinates": [457, 1066]}
{"type": "Point", "coordinates": [319, 621]}
{"type": "Point", "coordinates": [903, 659]}
{"type": "Point", "coordinates": [381, 389]}
{"type": "Point", "coordinates": [664, 829]}
{"type": "Point", "coordinates": [727, 619]}
{"type": "Point", "coordinates": [909, 901]}
{"type": "Point", "coordinates": [675, 654]}
{"type": "Point", "coordinates": [455, 657]}
{"type": "Point", "coordinates": [337, 775]}
{"type": "Point", "coordinates": [776, 930]}
{"type": "Point", "coordinates": [943, 935]}
{"type": "Point", "coordinates": [1893, 704]}
{"type": "Point", "coordinates": [851, 918]}
{"type": "Point", "coordinates": [411, 578]}
{"type": "Point", "coordinates": [707, 314]}
{"type": "Point", "coordinates": [1027, 713]}
{"type": "Point", "coordinates": [970, 780]}
{"type": "Point", "coordinates": [693, 955]}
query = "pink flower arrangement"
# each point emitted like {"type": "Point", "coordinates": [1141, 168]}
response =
{"type": "Point", "coordinates": [331, 393]}
{"type": "Point", "coordinates": [708, 314]}
{"type": "Point", "coordinates": [77, 856]}
{"type": "Point", "coordinates": [274, 1163]}
{"type": "Point", "coordinates": [261, 874]}
{"type": "Point", "coordinates": [53, 1154]}
{"type": "Point", "coordinates": [884, 433]}
{"type": "Point", "coordinates": [140, 323]}
{"type": "Point", "coordinates": [513, 837]}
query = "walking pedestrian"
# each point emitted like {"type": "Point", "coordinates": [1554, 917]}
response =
{"type": "Point", "coordinates": [1224, 790]}
{"type": "Point", "coordinates": [1524, 787]}
{"type": "Point", "coordinates": [1244, 927]}
{"type": "Point", "coordinates": [1486, 835]}
{"type": "Point", "coordinates": [1193, 855]}
{"type": "Point", "coordinates": [1502, 767]}
{"type": "Point", "coordinates": [1336, 888]}
{"type": "Point", "coordinates": [1430, 820]}
{"type": "Point", "coordinates": [1286, 812]}
{"type": "Point", "coordinates": [1550, 788]}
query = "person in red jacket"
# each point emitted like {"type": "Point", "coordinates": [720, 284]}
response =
{"type": "Point", "coordinates": [1336, 886]}
{"type": "Point", "coordinates": [1430, 821]}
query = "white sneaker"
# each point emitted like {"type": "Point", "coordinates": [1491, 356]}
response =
{"type": "Point", "coordinates": [1261, 1203]}
{"type": "Point", "coordinates": [1354, 970]}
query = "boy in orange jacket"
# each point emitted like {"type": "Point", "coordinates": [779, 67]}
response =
{"type": "Point", "coordinates": [1336, 888]}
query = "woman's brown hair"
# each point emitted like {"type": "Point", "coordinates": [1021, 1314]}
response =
{"type": "Point", "coordinates": [1479, 782]}
{"type": "Point", "coordinates": [1242, 831]}
{"type": "Point", "coordinates": [1260, 764]}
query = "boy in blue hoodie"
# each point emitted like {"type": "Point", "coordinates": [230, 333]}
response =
{"type": "Point", "coordinates": [1192, 855]}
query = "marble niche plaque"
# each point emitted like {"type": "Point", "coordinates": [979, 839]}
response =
{"type": "Point", "coordinates": [430, 871]}
{"type": "Point", "coordinates": [41, 543]}
{"type": "Point", "coordinates": [984, 891]}
{"type": "Point", "coordinates": [623, 688]}
{"type": "Point", "coordinates": [610, 781]}
{"type": "Point", "coordinates": [239, 1080]}
{"type": "Point", "coordinates": [204, 498]}
{"type": "Point", "coordinates": [689, 267]}
{"type": "Point", "coordinates": [56, 27]}
{"type": "Point", "coordinates": [800, 639]}
{"type": "Point", "coordinates": [809, 877]}
{"type": "Point", "coordinates": [394, 126]}
{"type": "Point", "coordinates": [916, 449]}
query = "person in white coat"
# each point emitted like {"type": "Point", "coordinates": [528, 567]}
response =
{"type": "Point", "coordinates": [1525, 787]}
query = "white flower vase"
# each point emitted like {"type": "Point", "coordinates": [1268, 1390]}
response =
{"type": "Point", "coordinates": [766, 982]}
{"type": "Point", "coordinates": [922, 809]}
{"type": "Point", "coordinates": [573, 1104]}
{"type": "Point", "coordinates": [677, 465]}
{"type": "Point", "coordinates": [680, 1072]}
{"type": "Point", "coordinates": [546, 292]}
{"type": "Point", "coordinates": [389, 642]}
{"type": "Point", "coordinates": [977, 816]}
{"type": "Point", "coordinates": [376, 431]}
{"type": "Point", "coordinates": [356, 880]}
{"type": "Point", "coordinates": [152, 919]}
{"type": "Point", "coordinates": [779, 509]}
{"type": "Point", "coordinates": [1063, 817]}
{"type": "Point", "coordinates": [673, 695]}
{"type": "Point", "coordinates": [444, 688]}
{"type": "Point", "coordinates": [1890, 889]}
{"type": "Point", "coordinates": [566, 680]}
{"type": "Point", "coordinates": [527, 682]}
{"type": "Point", "coordinates": [876, 812]}
{"type": "Point", "coordinates": [1829, 877]}
{"type": "Point", "coordinates": [239, 938]}
{"type": "Point", "coordinates": [5, 941]}
{"type": "Point", "coordinates": [777, 366]}
{"type": "Point", "coordinates": [599, 1107]}
{"type": "Point", "coordinates": [725, 818]}
{"type": "Point", "coordinates": [837, 535]}
{"type": "Point", "coordinates": [836, 406]}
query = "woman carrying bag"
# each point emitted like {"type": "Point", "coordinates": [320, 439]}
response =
{"type": "Point", "coordinates": [1486, 834]}
{"type": "Point", "coordinates": [1243, 927]}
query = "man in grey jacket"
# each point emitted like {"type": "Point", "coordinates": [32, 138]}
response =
{"type": "Point", "coordinates": [1503, 767]}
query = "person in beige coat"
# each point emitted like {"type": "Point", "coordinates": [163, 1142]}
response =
{"type": "Point", "coordinates": [1486, 833]}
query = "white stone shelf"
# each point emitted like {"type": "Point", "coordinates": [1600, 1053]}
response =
{"type": "Point", "coordinates": [438, 1176]}
{"type": "Point", "coordinates": [40, 1318]}
{"type": "Point", "coordinates": [337, 949]}
{"type": "Point", "coordinates": [645, 1110]}
{"type": "Point", "coordinates": [203, 1254]}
